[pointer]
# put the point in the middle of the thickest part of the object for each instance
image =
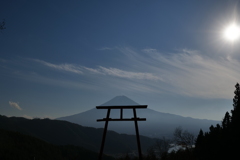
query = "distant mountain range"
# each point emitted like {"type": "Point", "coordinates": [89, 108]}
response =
{"type": "Point", "coordinates": [65, 133]}
{"type": "Point", "coordinates": [158, 124]}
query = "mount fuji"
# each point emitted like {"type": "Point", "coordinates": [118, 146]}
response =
{"type": "Point", "coordinates": [158, 124]}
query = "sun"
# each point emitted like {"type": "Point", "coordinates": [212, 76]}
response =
{"type": "Point", "coordinates": [232, 32]}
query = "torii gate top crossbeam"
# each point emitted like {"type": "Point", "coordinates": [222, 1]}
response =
{"type": "Point", "coordinates": [121, 107]}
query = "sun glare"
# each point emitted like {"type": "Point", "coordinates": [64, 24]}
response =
{"type": "Point", "coordinates": [232, 32]}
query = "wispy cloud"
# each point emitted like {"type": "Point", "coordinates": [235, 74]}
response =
{"type": "Point", "coordinates": [184, 71]}
{"type": "Point", "coordinates": [92, 70]}
{"type": "Point", "coordinates": [15, 105]}
{"type": "Point", "coordinates": [127, 74]}
{"type": "Point", "coordinates": [100, 70]}
{"type": "Point", "coordinates": [43, 117]}
{"type": "Point", "coordinates": [27, 117]}
{"type": "Point", "coordinates": [189, 72]}
{"type": "Point", "coordinates": [149, 50]}
{"type": "Point", "coordinates": [64, 67]}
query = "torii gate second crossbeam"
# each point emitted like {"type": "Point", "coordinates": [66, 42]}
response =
{"type": "Point", "coordinates": [135, 119]}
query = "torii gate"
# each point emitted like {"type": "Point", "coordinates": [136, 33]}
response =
{"type": "Point", "coordinates": [135, 119]}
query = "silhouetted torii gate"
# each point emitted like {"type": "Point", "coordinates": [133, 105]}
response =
{"type": "Point", "coordinates": [135, 119]}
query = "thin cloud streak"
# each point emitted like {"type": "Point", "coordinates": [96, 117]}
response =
{"type": "Point", "coordinates": [126, 74]}
{"type": "Point", "coordinates": [63, 67]}
{"type": "Point", "coordinates": [27, 117]}
{"type": "Point", "coordinates": [100, 70]}
{"type": "Point", "coordinates": [15, 105]}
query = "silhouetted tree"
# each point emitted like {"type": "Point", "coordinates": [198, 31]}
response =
{"type": "Point", "coordinates": [226, 121]}
{"type": "Point", "coordinates": [234, 130]}
{"type": "Point", "coordinates": [221, 141]}
{"type": "Point", "coordinates": [236, 97]}
{"type": "Point", "coordinates": [236, 105]}
{"type": "Point", "coordinates": [183, 137]}
{"type": "Point", "coordinates": [199, 138]}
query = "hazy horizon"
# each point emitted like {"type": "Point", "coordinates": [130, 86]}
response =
{"type": "Point", "coordinates": [60, 58]}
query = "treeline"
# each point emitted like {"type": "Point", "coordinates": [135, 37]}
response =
{"type": "Point", "coordinates": [222, 141]}
{"type": "Point", "coordinates": [219, 143]}
{"type": "Point", "coordinates": [17, 146]}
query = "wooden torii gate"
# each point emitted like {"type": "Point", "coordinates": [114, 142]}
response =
{"type": "Point", "coordinates": [135, 119]}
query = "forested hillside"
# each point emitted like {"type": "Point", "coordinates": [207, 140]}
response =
{"type": "Point", "coordinates": [65, 133]}
{"type": "Point", "coordinates": [17, 146]}
{"type": "Point", "coordinates": [220, 142]}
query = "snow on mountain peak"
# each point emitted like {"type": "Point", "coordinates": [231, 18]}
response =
{"type": "Point", "coordinates": [120, 100]}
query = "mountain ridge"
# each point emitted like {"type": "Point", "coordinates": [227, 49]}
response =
{"type": "Point", "coordinates": [158, 124]}
{"type": "Point", "coordinates": [16, 145]}
{"type": "Point", "coordinates": [66, 133]}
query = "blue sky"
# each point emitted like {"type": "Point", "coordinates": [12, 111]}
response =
{"type": "Point", "coordinates": [59, 58]}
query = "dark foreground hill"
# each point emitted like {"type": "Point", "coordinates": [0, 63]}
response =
{"type": "Point", "coordinates": [158, 124]}
{"type": "Point", "coordinates": [17, 146]}
{"type": "Point", "coordinates": [65, 133]}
